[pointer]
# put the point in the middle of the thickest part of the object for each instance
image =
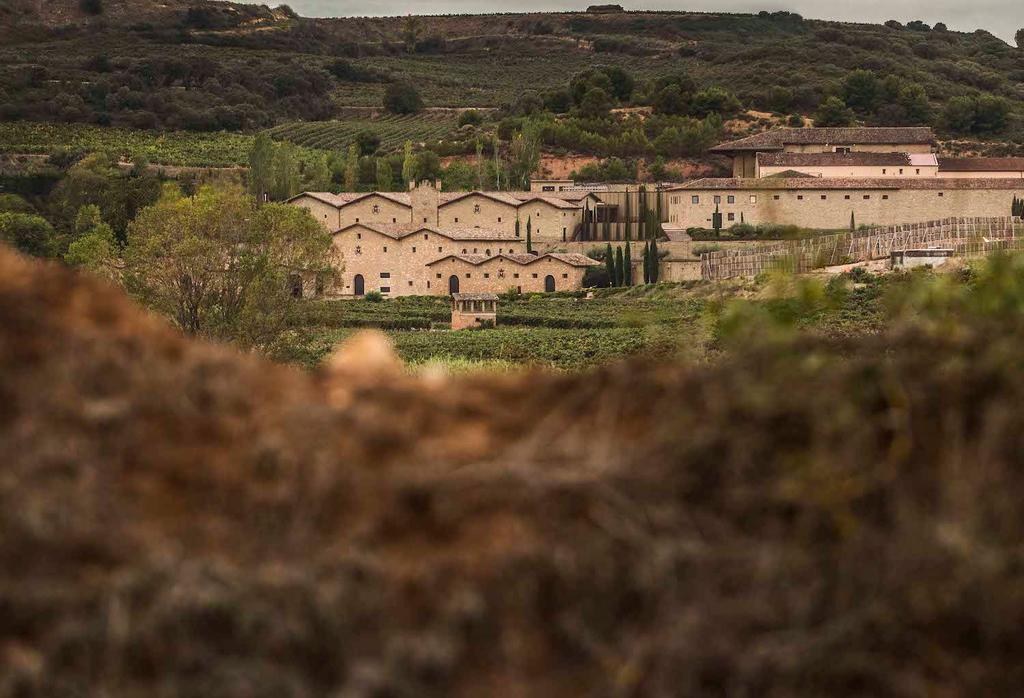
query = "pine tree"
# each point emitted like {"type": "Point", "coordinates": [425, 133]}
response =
{"type": "Point", "coordinates": [647, 263]}
{"type": "Point", "coordinates": [655, 271]}
{"type": "Point", "coordinates": [261, 167]}
{"type": "Point", "coordinates": [408, 166]}
{"type": "Point", "coordinates": [609, 264]}
{"type": "Point", "coordinates": [620, 276]}
{"type": "Point", "coordinates": [627, 267]}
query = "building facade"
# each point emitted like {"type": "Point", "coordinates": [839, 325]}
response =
{"type": "Point", "coordinates": [836, 203]}
{"type": "Point", "coordinates": [525, 273]}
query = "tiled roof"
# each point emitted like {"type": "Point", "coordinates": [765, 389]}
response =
{"type": "Point", "coordinates": [503, 197]}
{"type": "Point", "coordinates": [573, 259]}
{"type": "Point", "coordinates": [813, 183]}
{"type": "Point", "coordinates": [348, 197]}
{"type": "Point", "coordinates": [777, 138]}
{"type": "Point", "coordinates": [981, 164]}
{"type": "Point", "coordinates": [527, 197]}
{"type": "Point", "coordinates": [475, 296]}
{"type": "Point", "coordinates": [833, 159]}
{"type": "Point", "coordinates": [398, 231]}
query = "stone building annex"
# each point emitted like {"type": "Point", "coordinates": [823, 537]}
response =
{"type": "Point", "coordinates": [832, 178]}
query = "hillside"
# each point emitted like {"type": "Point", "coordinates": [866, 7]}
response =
{"type": "Point", "coordinates": [482, 60]}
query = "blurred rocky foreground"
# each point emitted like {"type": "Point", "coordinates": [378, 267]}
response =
{"type": "Point", "coordinates": [177, 519]}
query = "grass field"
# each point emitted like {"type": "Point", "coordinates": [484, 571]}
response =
{"type": "Point", "coordinates": [564, 331]}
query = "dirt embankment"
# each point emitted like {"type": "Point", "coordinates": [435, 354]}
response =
{"type": "Point", "coordinates": [793, 520]}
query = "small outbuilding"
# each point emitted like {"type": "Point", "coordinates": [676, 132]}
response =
{"type": "Point", "coordinates": [474, 310]}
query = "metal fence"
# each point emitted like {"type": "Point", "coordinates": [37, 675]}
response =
{"type": "Point", "coordinates": [859, 246]}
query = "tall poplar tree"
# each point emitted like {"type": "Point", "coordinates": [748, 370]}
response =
{"type": "Point", "coordinates": [627, 267]}
{"type": "Point", "coordinates": [261, 167]}
{"type": "Point", "coordinates": [408, 166]}
{"type": "Point", "coordinates": [385, 178]}
{"type": "Point", "coordinates": [352, 168]}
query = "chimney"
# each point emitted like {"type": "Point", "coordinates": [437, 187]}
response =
{"type": "Point", "coordinates": [424, 198]}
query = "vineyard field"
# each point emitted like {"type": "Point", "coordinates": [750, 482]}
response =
{"type": "Point", "coordinates": [392, 129]}
{"type": "Point", "coordinates": [168, 148]}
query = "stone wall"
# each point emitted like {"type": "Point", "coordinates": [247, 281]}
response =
{"type": "Point", "coordinates": [498, 275]}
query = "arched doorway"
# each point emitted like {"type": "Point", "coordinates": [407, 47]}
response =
{"type": "Point", "coordinates": [358, 285]}
{"type": "Point", "coordinates": [453, 284]}
{"type": "Point", "coordinates": [549, 283]}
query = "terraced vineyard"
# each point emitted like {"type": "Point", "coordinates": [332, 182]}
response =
{"type": "Point", "coordinates": [393, 130]}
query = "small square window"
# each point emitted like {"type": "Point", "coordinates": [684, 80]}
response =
{"type": "Point", "coordinates": [776, 197]}
{"type": "Point", "coordinates": [439, 249]}
{"type": "Point", "coordinates": [824, 197]}
{"type": "Point", "coordinates": [753, 198]}
{"type": "Point", "coordinates": [439, 276]}
{"type": "Point", "coordinates": [359, 236]}
{"type": "Point", "coordinates": [730, 199]}
{"type": "Point", "coordinates": [534, 276]}
{"type": "Point", "coordinates": [426, 236]}
{"type": "Point", "coordinates": [799, 197]}
{"type": "Point", "coordinates": [695, 199]}
{"type": "Point", "coordinates": [885, 196]}
{"type": "Point", "coordinates": [718, 199]}
{"type": "Point", "coordinates": [515, 276]}
{"type": "Point", "coordinates": [847, 197]}
{"type": "Point", "coordinates": [357, 220]}
{"type": "Point", "coordinates": [410, 283]}
{"type": "Point", "coordinates": [385, 275]}
{"type": "Point", "coordinates": [394, 220]}
{"type": "Point", "coordinates": [732, 216]}
{"type": "Point", "coordinates": [468, 275]}
{"type": "Point", "coordinates": [486, 275]}
{"type": "Point", "coordinates": [414, 250]}
{"type": "Point", "coordinates": [941, 194]}
{"type": "Point", "coordinates": [867, 196]}
{"type": "Point", "coordinates": [499, 219]}
{"type": "Point", "coordinates": [385, 248]}
{"type": "Point", "coordinates": [456, 219]}
{"type": "Point", "coordinates": [385, 289]}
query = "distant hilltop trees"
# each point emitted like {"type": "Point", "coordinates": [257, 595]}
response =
{"type": "Point", "coordinates": [605, 9]}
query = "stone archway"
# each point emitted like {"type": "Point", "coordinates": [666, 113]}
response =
{"type": "Point", "coordinates": [358, 285]}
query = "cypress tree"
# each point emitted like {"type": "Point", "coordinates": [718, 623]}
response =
{"type": "Point", "coordinates": [609, 264]}
{"type": "Point", "coordinates": [585, 232]}
{"type": "Point", "coordinates": [647, 263]}
{"type": "Point", "coordinates": [629, 223]}
{"type": "Point", "coordinates": [627, 267]}
{"type": "Point", "coordinates": [529, 234]}
{"type": "Point", "coordinates": [654, 262]}
{"type": "Point", "coordinates": [517, 225]}
{"type": "Point", "coordinates": [641, 196]}
{"type": "Point", "coordinates": [620, 276]}
{"type": "Point", "coordinates": [657, 215]}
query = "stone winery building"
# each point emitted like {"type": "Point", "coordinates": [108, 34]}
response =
{"type": "Point", "coordinates": [832, 178]}
{"type": "Point", "coordinates": [426, 242]}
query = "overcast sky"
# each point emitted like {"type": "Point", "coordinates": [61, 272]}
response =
{"type": "Point", "coordinates": [1001, 17]}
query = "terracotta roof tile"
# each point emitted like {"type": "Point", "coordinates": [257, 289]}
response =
{"type": "Point", "coordinates": [776, 139]}
{"type": "Point", "coordinates": [833, 159]}
{"type": "Point", "coordinates": [981, 164]}
{"type": "Point", "coordinates": [812, 183]}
